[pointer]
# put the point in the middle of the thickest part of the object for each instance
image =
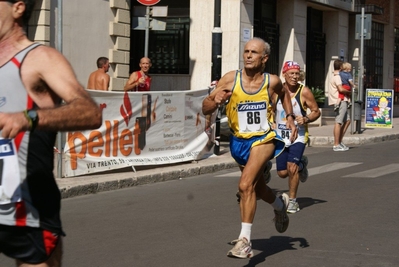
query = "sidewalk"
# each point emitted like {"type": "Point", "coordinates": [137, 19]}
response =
{"type": "Point", "coordinates": [118, 179]}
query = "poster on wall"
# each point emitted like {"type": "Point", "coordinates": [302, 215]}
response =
{"type": "Point", "coordinates": [379, 108]}
{"type": "Point", "coordinates": [141, 128]}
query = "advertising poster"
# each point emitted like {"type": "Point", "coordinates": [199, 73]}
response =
{"type": "Point", "coordinates": [141, 128]}
{"type": "Point", "coordinates": [379, 106]}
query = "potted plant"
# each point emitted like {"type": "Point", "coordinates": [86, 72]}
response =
{"type": "Point", "coordinates": [319, 96]}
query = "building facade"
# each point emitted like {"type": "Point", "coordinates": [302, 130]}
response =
{"type": "Point", "coordinates": [311, 32]}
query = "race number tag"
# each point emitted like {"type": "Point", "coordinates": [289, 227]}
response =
{"type": "Point", "coordinates": [285, 133]}
{"type": "Point", "coordinates": [10, 180]}
{"type": "Point", "coordinates": [252, 117]}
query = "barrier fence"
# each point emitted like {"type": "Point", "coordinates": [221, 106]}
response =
{"type": "Point", "coordinates": [140, 128]}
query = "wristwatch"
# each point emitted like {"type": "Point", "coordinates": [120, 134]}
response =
{"type": "Point", "coordinates": [32, 117]}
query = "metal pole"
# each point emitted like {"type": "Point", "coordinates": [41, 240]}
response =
{"type": "Point", "coordinates": [361, 71]}
{"type": "Point", "coordinates": [217, 66]}
{"type": "Point", "coordinates": [147, 30]}
{"type": "Point", "coordinates": [59, 47]}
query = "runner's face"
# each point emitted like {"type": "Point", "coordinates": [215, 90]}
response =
{"type": "Point", "coordinates": [254, 57]}
{"type": "Point", "coordinates": [292, 76]}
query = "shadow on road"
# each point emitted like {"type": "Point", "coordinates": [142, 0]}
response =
{"type": "Point", "coordinates": [305, 202]}
{"type": "Point", "coordinates": [273, 245]}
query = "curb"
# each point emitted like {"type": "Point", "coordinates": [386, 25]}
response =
{"type": "Point", "coordinates": [351, 140]}
{"type": "Point", "coordinates": [79, 186]}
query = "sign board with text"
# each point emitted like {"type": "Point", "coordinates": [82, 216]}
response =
{"type": "Point", "coordinates": [141, 128]}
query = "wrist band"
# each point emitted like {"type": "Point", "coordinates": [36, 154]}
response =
{"type": "Point", "coordinates": [292, 115]}
{"type": "Point", "coordinates": [29, 119]}
{"type": "Point", "coordinates": [307, 118]}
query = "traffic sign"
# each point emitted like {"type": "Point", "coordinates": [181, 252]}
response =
{"type": "Point", "coordinates": [148, 2]}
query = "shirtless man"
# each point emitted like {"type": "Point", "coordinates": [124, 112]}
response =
{"type": "Point", "coordinates": [34, 79]}
{"type": "Point", "coordinates": [140, 80]}
{"type": "Point", "coordinates": [99, 79]}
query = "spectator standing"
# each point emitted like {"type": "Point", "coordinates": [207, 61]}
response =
{"type": "Point", "coordinates": [342, 120]}
{"type": "Point", "coordinates": [140, 80]}
{"type": "Point", "coordinates": [99, 79]}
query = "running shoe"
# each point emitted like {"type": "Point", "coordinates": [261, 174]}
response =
{"type": "Point", "coordinates": [242, 249]}
{"type": "Point", "coordinates": [344, 146]}
{"type": "Point", "coordinates": [266, 172]}
{"type": "Point", "coordinates": [281, 220]}
{"type": "Point", "coordinates": [303, 175]}
{"type": "Point", "coordinates": [339, 148]}
{"type": "Point", "coordinates": [293, 207]}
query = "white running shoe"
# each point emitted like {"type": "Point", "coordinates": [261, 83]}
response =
{"type": "Point", "coordinates": [281, 220]}
{"type": "Point", "coordinates": [242, 249]}
{"type": "Point", "coordinates": [344, 146]}
{"type": "Point", "coordinates": [339, 148]}
{"type": "Point", "coordinates": [293, 207]}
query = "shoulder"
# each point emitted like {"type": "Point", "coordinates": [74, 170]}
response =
{"type": "Point", "coordinates": [274, 81]}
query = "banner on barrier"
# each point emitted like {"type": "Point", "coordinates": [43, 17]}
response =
{"type": "Point", "coordinates": [141, 128]}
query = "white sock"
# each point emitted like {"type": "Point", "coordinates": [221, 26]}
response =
{"type": "Point", "coordinates": [278, 204]}
{"type": "Point", "coordinates": [245, 231]}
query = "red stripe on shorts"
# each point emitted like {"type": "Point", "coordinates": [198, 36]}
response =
{"type": "Point", "coordinates": [50, 241]}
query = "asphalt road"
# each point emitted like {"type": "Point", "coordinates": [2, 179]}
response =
{"type": "Point", "coordinates": [348, 217]}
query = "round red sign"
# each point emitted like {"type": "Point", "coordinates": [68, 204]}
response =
{"type": "Point", "coordinates": [148, 2]}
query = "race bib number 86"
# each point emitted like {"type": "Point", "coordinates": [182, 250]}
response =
{"type": "Point", "coordinates": [252, 117]}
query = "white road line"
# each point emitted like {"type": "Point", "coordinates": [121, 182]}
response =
{"type": "Point", "coordinates": [312, 171]}
{"type": "Point", "coordinates": [238, 173]}
{"type": "Point", "coordinates": [376, 172]}
{"type": "Point", "coordinates": [331, 167]}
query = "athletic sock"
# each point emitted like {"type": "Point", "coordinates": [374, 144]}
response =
{"type": "Point", "coordinates": [245, 231]}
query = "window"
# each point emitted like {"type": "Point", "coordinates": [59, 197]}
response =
{"type": "Point", "coordinates": [168, 49]}
{"type": "Point", "coordinates": [373, 57]}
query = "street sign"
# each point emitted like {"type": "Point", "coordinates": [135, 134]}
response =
{"type": "Point", "coordinates": [367, 27]}
{"type": "Point", "coordinates": [139, 23]}
{"type": "Point", "coordinates": [155, 11]}
{"type": "Point", "coordinates": [148, 2]}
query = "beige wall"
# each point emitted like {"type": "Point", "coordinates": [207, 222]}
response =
{"type": "Point", "coordinates": [85, 35]}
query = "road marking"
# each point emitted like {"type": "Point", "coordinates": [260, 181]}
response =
{"type": "Point", "coordinates": [312, 171]}
{"type": "Point", "coordinates": [238, 173]}
{"type": "Point", "coordinates": [331, 167]}
{"type": "Point", "coordinates": [376, 172]}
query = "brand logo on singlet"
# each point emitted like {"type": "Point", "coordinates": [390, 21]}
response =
{"type": "Point", "coordinates": [6, 148]}
{"type": "Point", "coordinates": [3, 101]}
{"type": "Point", "coordinates": [251, 106]}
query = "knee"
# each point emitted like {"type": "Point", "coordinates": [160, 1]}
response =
{"type": "Point", "coordinates": [282, 174]}
{"type": "Point", "coordinates": [245, 187]}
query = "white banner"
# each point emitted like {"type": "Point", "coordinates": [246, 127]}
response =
{"type": "Point", "coordinates": [141, 128]}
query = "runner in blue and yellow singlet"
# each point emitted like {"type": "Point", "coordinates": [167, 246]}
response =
{"type": "Point", "coordinates": [253, 143]}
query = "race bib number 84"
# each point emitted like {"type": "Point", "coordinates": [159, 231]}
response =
{"type": "Point", "coordinates": [10, 180]}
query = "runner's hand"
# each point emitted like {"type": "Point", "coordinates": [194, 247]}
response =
{"type": "Point", "coordinates": [13, 123]}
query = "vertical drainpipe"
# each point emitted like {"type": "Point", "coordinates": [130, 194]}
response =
{"type": "Point", "coordinates": [59, 48]}
{"type": "Point", "coordinates": [217, 66]}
